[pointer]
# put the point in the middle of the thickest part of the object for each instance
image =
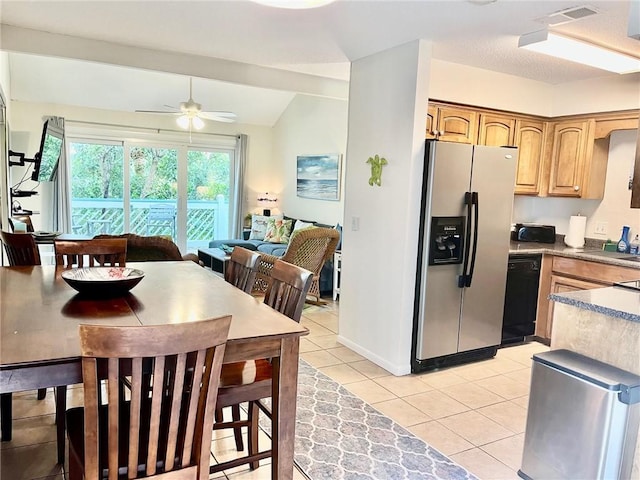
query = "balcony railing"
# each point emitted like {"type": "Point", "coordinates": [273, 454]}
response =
{"type": "Point", "coordinates": [206, 219]}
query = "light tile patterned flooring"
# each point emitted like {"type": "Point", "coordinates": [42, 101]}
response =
{"type": "Point", "coordinates": [475, 414]}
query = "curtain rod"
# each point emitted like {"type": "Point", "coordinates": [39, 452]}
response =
{"type": "Point", "coordinates": [158, 130]}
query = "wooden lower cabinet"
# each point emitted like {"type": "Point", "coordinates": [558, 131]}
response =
{"type": "Point", "coordinates": [562, 275]}
{"type": "Point", "coordinates": [561, 284]}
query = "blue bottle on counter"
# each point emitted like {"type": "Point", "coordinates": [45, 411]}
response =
{"type": "Point", "coordinates": [623, 243]}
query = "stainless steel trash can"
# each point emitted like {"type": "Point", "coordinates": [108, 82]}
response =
{"type": "Point", "coordinates": [582, 421]}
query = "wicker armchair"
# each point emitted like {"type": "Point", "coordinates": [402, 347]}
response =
{"type": "Point", "coordinates": [308, 248]}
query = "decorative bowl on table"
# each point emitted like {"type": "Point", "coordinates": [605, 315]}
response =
{"type": "Point", "coordinates": [40, 235]}
{"type": "Point", "coordinates": [103, 281]}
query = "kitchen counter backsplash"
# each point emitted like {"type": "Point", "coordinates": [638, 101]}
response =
{"type": "Point", "coordinates": [591, 251]}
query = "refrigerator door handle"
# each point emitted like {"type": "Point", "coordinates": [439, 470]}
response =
{"type": "Point", "coordinates": [462, 279]}
{"type": "Point", "coordinates": [475, 203]}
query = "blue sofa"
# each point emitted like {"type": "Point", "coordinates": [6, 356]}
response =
{"type": "Point", "coordinates": [278, 249]}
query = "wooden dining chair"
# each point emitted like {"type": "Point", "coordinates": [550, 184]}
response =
{"type": "Point", "coordinates": [21, 248]}
{"type": "Point", "coordinates": [100, 252]}
{"type": "Point", "coordinates": [242, 268]}
{"type": "Point", "coordinates": [164, 432]}
{"type": "Point", "coordinates": [26, 219]}
{"type": "Point", "coordinates": [251, 381]}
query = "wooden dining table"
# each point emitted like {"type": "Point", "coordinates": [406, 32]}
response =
{"type": "Point", "coordinates": [40, 314]}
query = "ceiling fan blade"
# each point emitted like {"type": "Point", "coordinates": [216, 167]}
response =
{"type": "Point", "coordinates": [166, 112]}
{"type": "Point", "coordinates": [219, 116]}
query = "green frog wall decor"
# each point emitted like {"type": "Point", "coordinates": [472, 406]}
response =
{"type": "Point", "coordinates": [376, 170]}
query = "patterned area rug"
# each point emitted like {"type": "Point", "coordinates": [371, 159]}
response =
{"type": "Point", "coordinates": [340, 437]}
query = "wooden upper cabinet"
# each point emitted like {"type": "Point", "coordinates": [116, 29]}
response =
{"type": "Point", "coordinates": [572, 146]}
{"type": "Point", "coordinates": [562, 157]}
{"type": "Point", "coordinates": [530, 137]}
{"type": "Point", "coordinates": [452, 124]}
{"type": "Point", "coordinates": [497, 131]}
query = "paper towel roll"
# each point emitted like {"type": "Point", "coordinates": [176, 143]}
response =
{"type": "Point", "coordinates": [577, 227]}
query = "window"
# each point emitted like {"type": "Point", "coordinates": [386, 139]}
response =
{"type": "Point", "coordinates": [179, 191]}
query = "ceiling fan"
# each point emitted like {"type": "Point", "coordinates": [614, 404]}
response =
{"type": "Point", "coordinates": [191, 115]}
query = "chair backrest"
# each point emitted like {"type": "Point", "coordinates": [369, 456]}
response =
{"type": "Point", "coordinates": [241, 268]}
{"type": "Point", "coordinates": [288, 289]}
{"type": "Point", "coordinates": [26, 219]}
{"type": "Point", "coordinates": [103, 251]}
{"type": "Point", "coordinates": [148, 248]}
{"type": "Point", "coordinates": [169, 428]}
{"type": "Point", "coordinates": [311, 248]}
{"type": "Point", "coordinates": [21, 248]}
{"type": "Point", "coordinates": [162, 211]}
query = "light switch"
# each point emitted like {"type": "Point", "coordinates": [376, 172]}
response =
{"type": "Point", "coordinates": [355, 224]}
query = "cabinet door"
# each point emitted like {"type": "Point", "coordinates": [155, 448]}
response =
{"type": "Point", "coordinates": [560, 284]}
{"type": "Point", "coordinates": [568, 158]}
{"type": "Point", "coordinates": [496, 131]}
{"type": "Point", "coordinates": [530, 140]}
{"type": "Point", "coordinates": [457, 125]}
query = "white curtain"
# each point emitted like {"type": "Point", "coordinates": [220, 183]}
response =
{"type": "Point", "coordinates": [61, 190]}
{"type": "Point", "coordinates": [238, 206]}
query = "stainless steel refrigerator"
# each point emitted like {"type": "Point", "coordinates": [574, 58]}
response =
{"type": "Point", "coordinates": [467, 200]}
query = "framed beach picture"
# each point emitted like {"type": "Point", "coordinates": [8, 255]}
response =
{"type": "Point", "coordinates": [318, 176]}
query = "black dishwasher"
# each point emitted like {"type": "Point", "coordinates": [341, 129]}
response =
{"type": "Point", "coordinates": [521, 298]}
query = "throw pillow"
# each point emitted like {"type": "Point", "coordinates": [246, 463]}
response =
{"type": "Point", "coordinates": [258, 227]}
{"type": "Point", "coordinates": [278, 230]}
{"type": "Point", "coordinates": [300, 224]}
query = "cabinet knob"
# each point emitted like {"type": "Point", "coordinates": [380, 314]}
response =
{"type": "Point", "coordinates": [576, 188]}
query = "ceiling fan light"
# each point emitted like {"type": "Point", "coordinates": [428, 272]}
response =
{"type": "Point", "coordinates": [183, 121]}
{"type": "Point", "coordinates": [578, 51]}
{"type": "Point", "coordinates": [197, 123]}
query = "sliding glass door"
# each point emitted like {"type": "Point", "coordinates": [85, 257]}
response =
{"type": "Point", "coordinates": [181, 192]}
{"type": "Point", "coordinates": [153, 191]}
{"type": "Point", "coordinates": [209, 184]}
{"type": "Point", "coordinates": [97, 188]}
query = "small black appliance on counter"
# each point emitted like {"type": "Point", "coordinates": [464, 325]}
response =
{"type": "Point", "coordinates": [529, 232]}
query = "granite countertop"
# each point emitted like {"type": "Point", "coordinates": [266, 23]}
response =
{"type": "Point", "coordinates": [618, 302]}
{"type": "Point", "coordinates": [587, 253]}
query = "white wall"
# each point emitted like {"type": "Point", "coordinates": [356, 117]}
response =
{"type": "Point", "coordinates": [26, 128]}
{"type": "Point", "coordinates": [387, 107]}
{"type": "Point", "coordinates": [309, 125]}
{"type": "Point", "coordinates": [619, 92]}
{"type": "Point", "coordinates": [483, 88]}
{"type": "Point", "coordinates": [614, 209]}
{"type": "Point", "coordinates": [5, 84]}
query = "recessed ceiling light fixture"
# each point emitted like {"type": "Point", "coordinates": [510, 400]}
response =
{"type": "Point", "coordinates": [579, 51]}
{"type": "Point", "coordinates": [294, 4]}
